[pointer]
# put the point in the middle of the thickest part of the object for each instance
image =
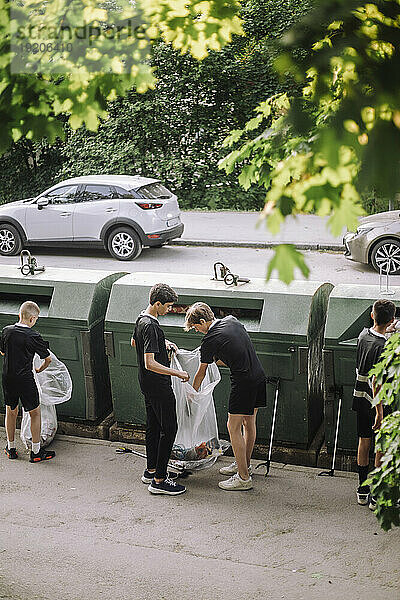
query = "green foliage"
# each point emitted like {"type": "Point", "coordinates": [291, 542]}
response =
{"type": "Point", "coordinates": [285, 260]}
{"type": "Point", "coordinates": [319, 151]}
{"type": "Point", "coordinates": [385, 481]}
{"type": "Point", "coordinates": [175, 131]}
{"type": "Point", "coordinates": [79, 78]}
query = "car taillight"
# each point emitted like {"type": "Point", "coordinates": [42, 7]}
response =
{"type": "Point", "coordinates": [148, 205]}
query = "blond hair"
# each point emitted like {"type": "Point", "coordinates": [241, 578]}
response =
{"type": "Point", "coordinates": [29, 309]}
{"type": "Point", "coordinates": [196, 312]}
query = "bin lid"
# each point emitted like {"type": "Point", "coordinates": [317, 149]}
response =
{"type": "Point", "coordinates": [283, 309]}
{"type": "Point", "coordinates": [349, 309]}
{"type": "Point", "coordinates": [72, 294]}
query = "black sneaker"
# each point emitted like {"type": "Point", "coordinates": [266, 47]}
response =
{"type": "Point", "coordinates": [11, 452]}
{"type": "Point", "coordinates": [168, 486]}
{"type": "Point", "coordinates": [363, 495]}
{"type": "Point", "coordinates": [41, 455]}
{"type": "Point", "coordinates": [147, 477]}
{"type": "Point", "coordinates": [372, 503]}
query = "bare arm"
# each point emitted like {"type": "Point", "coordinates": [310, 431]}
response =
{"type": "Point", "coordinates": [219, 363]}
{"type": "Point", "coordinates": [152, 365]}
{"type": "Point", "coordinates": [378, 408]}
{"type": "Point", "coordinates": [44, 364]}
{"type": "Point", "coordinates": [133, 343]}
{"type": "Point", "coordinates": [198, 378]}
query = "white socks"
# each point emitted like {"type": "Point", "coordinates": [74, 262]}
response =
{"type": "Point", "coordinates": [11, 444]}
{"type": "Point", "coordinates": [35, 447]}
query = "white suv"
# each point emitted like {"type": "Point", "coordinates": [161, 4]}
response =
{"type": "Point", "coordinates": [121, 213]}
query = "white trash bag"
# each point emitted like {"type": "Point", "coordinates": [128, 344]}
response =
{"type": "Point", "coordinates": [55, 386]}
{"type": "Point", "coordinates": [197, 444]}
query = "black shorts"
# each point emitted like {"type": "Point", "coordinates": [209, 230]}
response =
{"type": "Point", "coordinates": [365, 420]}
{"type": "Point", "coordinates": [20, 388]}
{"type": "Point", "coordinates": [246, 396]}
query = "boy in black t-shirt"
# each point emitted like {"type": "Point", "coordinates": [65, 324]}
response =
{"type": "Point", "coordinates": [369, 348]}
{"type": "Point", "coordinates": [227, 343]}
{"type": "Point", "coordinates": [155, 383]}
{"type": "Point", "coordinates": [18, 345]}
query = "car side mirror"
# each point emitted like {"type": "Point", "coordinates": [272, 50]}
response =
{"type": "Point", "coordinates": [42, 203]}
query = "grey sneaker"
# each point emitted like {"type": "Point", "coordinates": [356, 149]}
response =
{"type": "Point", "coordinates": [236, 483]}
{"type": "Point", "coordinates": [232, 469]}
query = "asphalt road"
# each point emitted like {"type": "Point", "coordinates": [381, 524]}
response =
{"type": "Point", "coordinates": [324, 266]}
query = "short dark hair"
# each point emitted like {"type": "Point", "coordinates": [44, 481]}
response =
{"type": "Point", "coordinates": [161, 292]}
{"type": "Point", "coordinates": [383, 311]}
{"type": "Point", "coordinates": [198, 310]}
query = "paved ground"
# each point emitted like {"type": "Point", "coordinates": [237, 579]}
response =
{"type": "Point", "coordinates": [245, 228]}
{"type": "Point", "coordinates": [83, 527]}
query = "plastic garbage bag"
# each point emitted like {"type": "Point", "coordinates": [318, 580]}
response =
{"type": "Point", "coordinates": [48, 429]}
{"type": "Point", "coordinates": [54, 386]}
{"type": "Point", "coordinates": [54, 383]}
{"type": "Point", "coordinates": [197, 444]}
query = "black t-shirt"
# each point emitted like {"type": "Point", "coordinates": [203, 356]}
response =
{"type": "Point", "coordinates": [227, 340]}
{"type": "Point", "coordinates": [149, 338]}
{"type": "Point", "coordinates": [19, 345]}
{"type": "Point", "coordinates": [369, 349]}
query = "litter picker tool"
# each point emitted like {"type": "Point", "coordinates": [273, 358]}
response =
{"type": "Point", "coordinates": [181, 471]}
{"type": "Point", "coordinates": [332, 471]}
{"type": "Point", "coordinates": [276, 381]}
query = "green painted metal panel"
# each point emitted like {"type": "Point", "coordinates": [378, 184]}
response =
{"type": "Point", "coordinates": [278, 319]}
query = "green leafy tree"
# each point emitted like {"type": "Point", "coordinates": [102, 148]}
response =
{"type": "Point", "coordinates": [74, 57]}
{"type": "Point", "coordinates": [175, 131]}
{"type": "Point", "coordinates": [385, 481]}
{"type": "Point", "coordinates": [319, 151]}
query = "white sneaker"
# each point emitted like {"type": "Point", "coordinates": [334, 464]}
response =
{"type": "Point", "coordinates": [232, 469]}
{"type": "Point", "coordinates": [236, 483]}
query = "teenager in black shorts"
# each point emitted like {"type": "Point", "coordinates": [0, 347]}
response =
{"type": "Point", "coordinates": [369, 348]}
{"type": "Point", "coordinates": [227, 343]}
{"type": "Point", "coordinates": [18, 345]}
{"type": "Point", "coordinates": [155, 382]}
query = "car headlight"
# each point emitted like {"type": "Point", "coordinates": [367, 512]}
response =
{"type": "Point", "coordinates": [363, 230]}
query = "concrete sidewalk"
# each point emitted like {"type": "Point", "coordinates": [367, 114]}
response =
{"type": "Point", "coordinates": [84, 527]}
{"type": "Point", "coordinates": [307, 232]}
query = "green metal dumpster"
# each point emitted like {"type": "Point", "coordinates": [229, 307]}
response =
{"type": "Point", "coordinates": [286, 325]}
{"type": "Point", "coordinates": [72, 305]}
{"type": "Point", "coordinates": [349, 311]}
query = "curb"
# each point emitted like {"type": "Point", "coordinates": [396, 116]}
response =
{"type": "Point", "coordinates": [258, 245]}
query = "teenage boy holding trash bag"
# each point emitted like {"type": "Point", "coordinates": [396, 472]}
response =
{"type": "Point", "coordinates": [18, 345]}
{"type": "Point", "coordinates": [155, 382]}
{"type": "Point", "coordinates": [227, 343]}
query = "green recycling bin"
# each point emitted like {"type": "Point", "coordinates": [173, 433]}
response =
{"type": "Point", "coordinates": [72, 305]}
{"type": "Point", "coordinates": [349, 311]}
{"type": "Point", "coordinates": [286, 325]}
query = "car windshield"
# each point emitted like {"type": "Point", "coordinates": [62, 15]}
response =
{"type": "Point", "coordinates": [154, 191]}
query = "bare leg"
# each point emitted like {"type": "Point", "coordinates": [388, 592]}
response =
{"type": "Point", "coordinates": [249, 434]}
{"type": "Point", "coordinates": [238, 443]}
{"type": "Point", "coordinates": [378, 459]}
{"type": "Point", "coordinates": [364, 445]}
{"type": "Point", "coordinates": [35, 424]}
{"type": "Point", "coordinates": [11, 422]}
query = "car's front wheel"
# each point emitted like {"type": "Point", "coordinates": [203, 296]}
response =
{"type": "Point", "coordinates": [385, 257]}
{"type": "Point", "coordinates": [10, 240]}
{"type": "Point", "coordinates": [124, 244]}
